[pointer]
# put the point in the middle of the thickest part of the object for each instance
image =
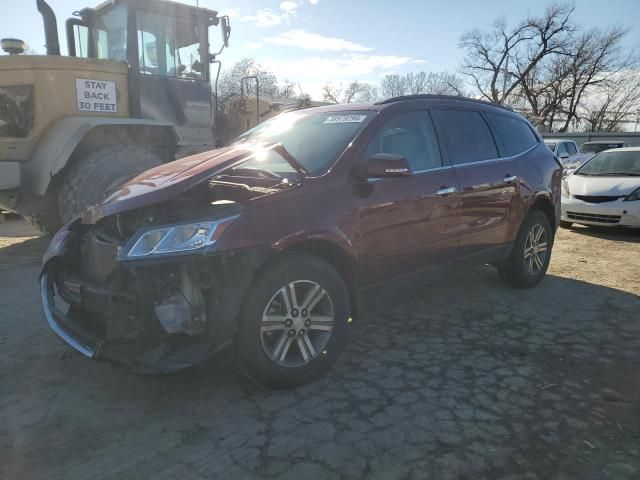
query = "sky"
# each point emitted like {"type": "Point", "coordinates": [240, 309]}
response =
{"type": "Point", "coordinates": [312, 42]}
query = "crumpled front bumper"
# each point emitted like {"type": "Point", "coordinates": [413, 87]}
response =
{"type": "Point", "coordinates": [71, 332]}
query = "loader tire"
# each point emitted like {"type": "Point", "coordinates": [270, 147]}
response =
{"type": "Point", "coordinates": [105, 168]}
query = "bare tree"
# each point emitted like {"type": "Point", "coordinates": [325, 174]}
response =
{"type": "Point", "coordinates": [359, 92]}
{"type": "Point", "coordinates": [444, 83]}
{"type": "Point", "coordinates": [230, 81]}
{"type": "Point", "coordinates": [416, 83]}
{"type": "Point", "coordinates": [596, 56]}
{"type": "Point", "coordinates": [355, 91]}
{"type": "Point", "coordinates": [393, 85]}
{"type": "Point", "coordinates": [331, 93]}
{"type": "Point", "coordinates": [617, 100]}
{"type": "Point", "coordinates": [288, 92]}
{"type": "Point", "coordinates": [497, 61]}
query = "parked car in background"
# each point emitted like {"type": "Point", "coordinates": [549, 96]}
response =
{"type": "Point", "coordinates": [271, 243]}
{"type": "Point", "coordinates": [567, 152]}
{"type": "Point", "coordinates": [604, 191]}
{"type": "Point", "coordinates": [591, 148]}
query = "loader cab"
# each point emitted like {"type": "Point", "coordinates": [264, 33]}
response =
{"type": "Point", "coordinates": [166, 47]}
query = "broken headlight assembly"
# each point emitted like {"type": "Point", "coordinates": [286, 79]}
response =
{"type": "Point", "coordinates": [178, 239]}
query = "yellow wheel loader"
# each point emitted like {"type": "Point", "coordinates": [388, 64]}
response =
{"type": "Point", "coordinates": [134, 91]}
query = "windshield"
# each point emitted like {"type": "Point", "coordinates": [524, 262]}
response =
{"type": "Point", "coordinates": [315, 140]}
{"type": "Point", "coordinates": [598, 147]}
{"type": "Point", "coordinates": [612, 163]}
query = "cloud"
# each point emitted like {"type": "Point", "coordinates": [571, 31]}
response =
{"type": "Point", "coordinates": [345, 66]}
{"type": "Point", "coordinates": [288, 6]}
{"type": "Point", "coordinates": [313, 41]}
{"type": "Point", "coordinates": [313, 2]}
{"type": "Point", "coordinates": [264, 18]}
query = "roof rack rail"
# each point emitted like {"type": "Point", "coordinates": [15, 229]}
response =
{"type": "Point", "coordinates": [424, 96]}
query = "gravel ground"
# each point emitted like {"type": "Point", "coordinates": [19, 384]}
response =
{"type": "Point", "coordinates": [461, 379]}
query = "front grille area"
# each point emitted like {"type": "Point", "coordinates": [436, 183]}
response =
{"type": "Point", "coordinates": [596, 199]}
{"type": "Point", "coordinates": [592, 217]}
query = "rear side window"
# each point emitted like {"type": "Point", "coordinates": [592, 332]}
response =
{"type": "Point", "coordinates": [515, 134]}
{"type": "Point", "coordinates": [466, 135]}
{"type": "Point", "coordinates": [571, 148]}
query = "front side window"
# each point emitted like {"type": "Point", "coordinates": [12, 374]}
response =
{"type": "Point", "coordinates": [314, 140]}
{"type": "Point", "coordinates": [410, 135]}
{"type": "Point", "coordinates": [110, 35]}
{"type": "Point", "coordinates": [466, 136]}
{"type": "Point", "coordinates": [515, 134]}
{"type": "Point", "coordinates": [571, 148]}
{"type": "Point", "coordinates": [169, 47]}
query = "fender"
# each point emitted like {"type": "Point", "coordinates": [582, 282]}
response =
{"type": "Point", "coordinates": [60, 140]}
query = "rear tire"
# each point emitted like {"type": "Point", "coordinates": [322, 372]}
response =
{"type": "Point", "coordinates": [107, 167]}
{"type": "Point", "coordinates": [282, 344]}
{"type": "Point", "coordinates": [529, 259]}
{"type": "Point", "coordinates": [564, 224]}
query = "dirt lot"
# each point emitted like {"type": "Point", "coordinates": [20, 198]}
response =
{"type": "Point", "coordinates": [464, 379]}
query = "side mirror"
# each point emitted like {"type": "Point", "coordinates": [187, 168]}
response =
{"type": "Point", "coordinates": [225, 30]}
{"type": "Point", "coordinates": [384, 165]}
{"type": "Point", "coordinates": [564, 156]}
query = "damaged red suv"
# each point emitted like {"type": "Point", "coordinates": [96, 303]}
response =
{"type": "Point", "coordinates": [268, 244]}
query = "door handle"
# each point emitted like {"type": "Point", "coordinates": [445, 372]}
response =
{"type": "Point", "coordinates": [510, 179]}
{"type": "Point", "coordinates": [444, 191]}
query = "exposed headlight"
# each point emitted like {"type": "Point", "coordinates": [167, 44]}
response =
{"type": "Point", "coordinates": [565, 189]}
{"type": "Point", "coordinates": [635, 195]}
{"type": "Point", "coordinates": [175, 239]}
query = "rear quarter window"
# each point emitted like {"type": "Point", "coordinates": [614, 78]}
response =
{"type": "Point", "coordinates": [515, 134]}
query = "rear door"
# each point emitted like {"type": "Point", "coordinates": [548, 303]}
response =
{"type": "Point", "coordinates": [488, 182]}
{"type": "Point", "coordinates": [408, 224]}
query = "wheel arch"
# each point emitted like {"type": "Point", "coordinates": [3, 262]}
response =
{"type": "Point", "coordinates": [336, 256]}
{"type": "Point", "coordinates": [544, 204]}
{"type": "Point", "coordinates": [67, 138]}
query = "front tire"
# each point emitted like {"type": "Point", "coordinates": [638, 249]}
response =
{"type": "Point", "coordinates": [294, 322]}
{"type": "Point", "coordinates": [87, 180]}
{"type": "Point", "coordinates": [531, 254]}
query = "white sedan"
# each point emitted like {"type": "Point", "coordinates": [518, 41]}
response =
{"type": "Point", "coordinates": [604, 191]}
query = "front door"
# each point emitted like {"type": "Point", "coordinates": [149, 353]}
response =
{"type": "Point", "coordinates": [408, 224]}
{"type": "Point", "coordinates": [488, 182]}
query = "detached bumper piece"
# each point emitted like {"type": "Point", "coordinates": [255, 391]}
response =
{"type": "Point", "coordinates": [71, 332]}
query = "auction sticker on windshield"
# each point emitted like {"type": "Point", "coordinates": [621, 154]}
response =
{"type": "Point", "coordinates": [96, 95]}
{"type": "Point", "coordinates": [345, 119]}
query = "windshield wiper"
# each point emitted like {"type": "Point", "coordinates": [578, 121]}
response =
{"type": "Point", "coordinates": [284, 153]}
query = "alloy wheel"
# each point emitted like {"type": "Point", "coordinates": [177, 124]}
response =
{"type": "Point", "coordinates": [535, 250]}
{"type": "Point", "coordinates": [297, 323]}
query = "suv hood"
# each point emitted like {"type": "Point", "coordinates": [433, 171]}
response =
{"type": "Point", "coordinates": [169, 180]}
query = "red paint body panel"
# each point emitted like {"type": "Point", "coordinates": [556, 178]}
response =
{"type": "Point", "coordinates": [387, 228]}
